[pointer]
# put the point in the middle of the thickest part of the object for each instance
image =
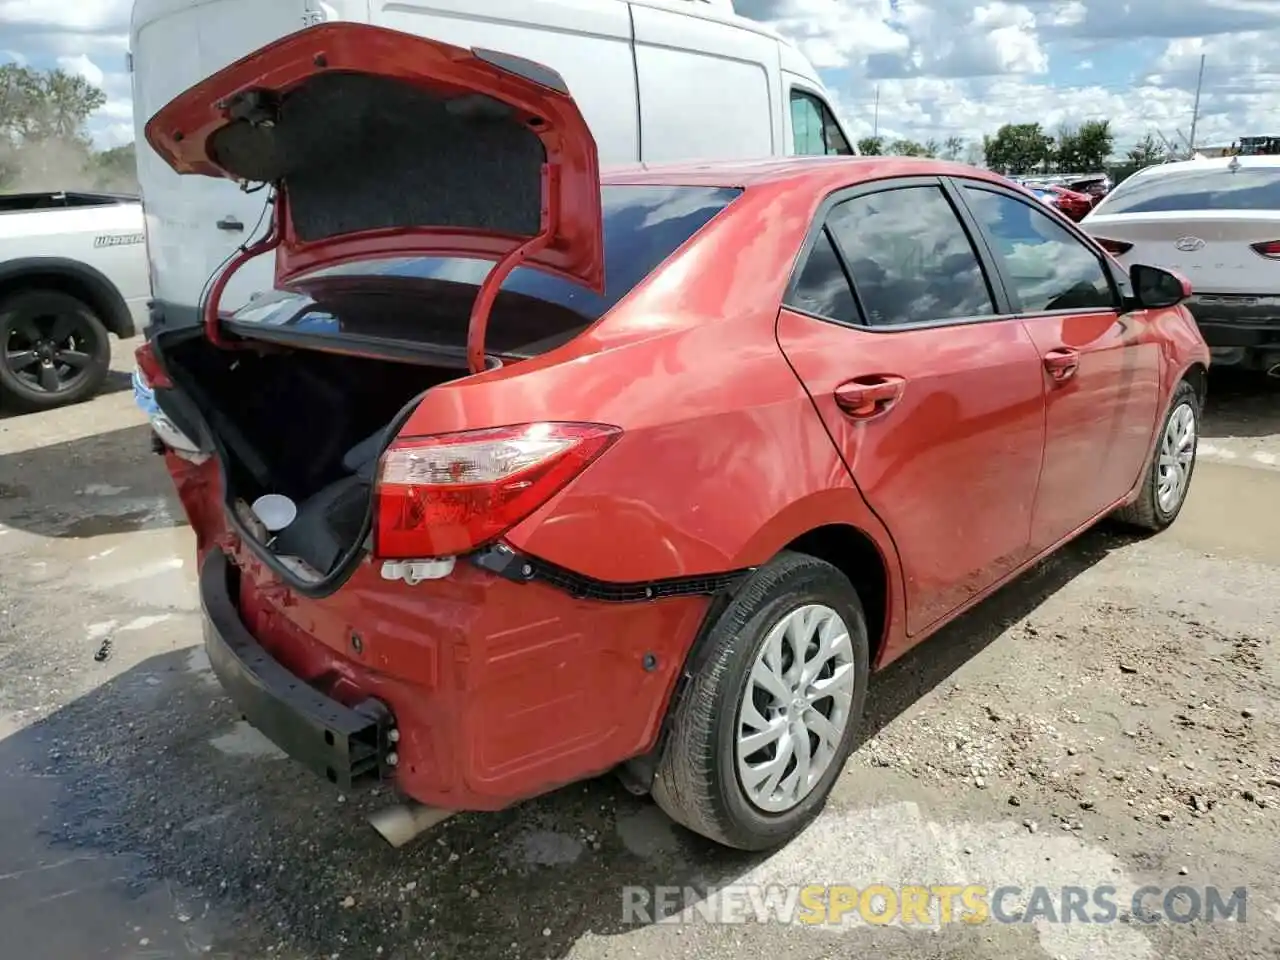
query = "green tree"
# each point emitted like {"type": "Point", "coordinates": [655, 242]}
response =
{"type": "Point", "coordinates": [871, 146]}
{"type": "Point", "coordinates": [1067, 150]}
{"type": "Point", "coordinates": [1146, 152]}
{"type": "Point", "coordinates": [1018, 148]}
{"type": "Point", "coordinates": [116, 169]}
{"type": "Point", "coordinates": [953, 148]}
{"type": "Point", "coordinates": [910, 148]}
{"type": "Point", "coordinates": [38, 105]}
{"type": "Point", "coordinates": [43, 140]}
{"type": "Point", "coordinates": [1095, 143]}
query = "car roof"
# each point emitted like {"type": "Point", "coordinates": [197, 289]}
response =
{"type": "Point", "coordinates": [818, 171]}
{"type": "Point", "coordinates": [1208, 163]}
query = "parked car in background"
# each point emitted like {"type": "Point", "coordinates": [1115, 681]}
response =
{"type": "Point", "coordinates": [1095, 186]}
{"type": "Point", "coordinates": [73, 271]}
{"type": "Point", "coordinates": [657, 80]}
{"type": "Point", "coordinates": [1074, 206]}
{"type": "Point", "coordinates": [777, 382]}
{"type": "Point", "coordinates": [1218, 222]}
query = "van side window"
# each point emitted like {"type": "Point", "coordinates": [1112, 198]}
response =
{"type": "Point", "coordinates": [814, 130]}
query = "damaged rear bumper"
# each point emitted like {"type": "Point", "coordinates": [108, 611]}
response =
{"type": "Point", "coordinates": [339, 743]}
{"type": "Point", "coordinates": [495, 691]}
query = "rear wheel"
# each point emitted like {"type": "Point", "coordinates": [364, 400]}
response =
{"type": "Point", "coordinates": [55, 350]}
{"type": "Point", "coordinates": [761, 733]}
{"type": "Point", "coordinates": [1164, 489]}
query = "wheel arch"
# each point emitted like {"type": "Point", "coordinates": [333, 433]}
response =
{"type": "Point", "coordinates": [837, 526]}
{"type": "Point", "coordinates": [1197, 374]}
{"type": "Point", "coordinates": [80, 280]}
{"type": "Point", "coordinates": [855, 554]}
{"type": "Point", "coordinates": [834, 525]}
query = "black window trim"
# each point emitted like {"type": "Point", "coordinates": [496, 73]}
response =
{"type": "Point", "coordinates": [986, 260]}
{"type": "Point", "coordinates": [958, 185]}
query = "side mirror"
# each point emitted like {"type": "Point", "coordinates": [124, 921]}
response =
{"type": "Point", "coordinates": [1156, 287]}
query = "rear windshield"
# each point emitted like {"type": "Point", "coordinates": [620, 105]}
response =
{"type": "Point", "coordinates": [1217, 188]}
{"type": "Point", "coordinates": [643, 225]}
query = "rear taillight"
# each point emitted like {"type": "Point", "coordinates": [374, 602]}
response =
{"type": "Point", "coordinates": [446, 495]}
{"type": "Point", "coordinates": [1117, 248]}
{"type": "Point", "coordinates": [1268, 248]}
{"type": "Point", "coordinates": [149, 367]}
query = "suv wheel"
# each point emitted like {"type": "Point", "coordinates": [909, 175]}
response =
{"type": "Point", "coordinates": [760, 735]}
{"type": "Point", "coordinates": [55, 350]}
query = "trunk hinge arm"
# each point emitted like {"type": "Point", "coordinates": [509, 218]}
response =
{"type": "Point", "coordinates": [212, 328]}
{"type": "Point", "coordinates": [493, 281]}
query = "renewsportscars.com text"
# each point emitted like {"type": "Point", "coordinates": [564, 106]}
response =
{"type": "Point", "coordinates": [931, 906]}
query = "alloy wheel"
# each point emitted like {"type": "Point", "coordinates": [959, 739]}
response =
{"type": "Point", "coordinates": [49, 353]}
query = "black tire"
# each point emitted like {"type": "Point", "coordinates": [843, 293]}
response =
{"type": "Point", "coordinates": [1146, 513]}
{"type": "Point", "coordinates": [697, 781]}
{"type": "Point", "coordinates": [46, 325]}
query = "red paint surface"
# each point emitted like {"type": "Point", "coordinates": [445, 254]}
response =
{"type": "Point", "coordinates": [980, 464]}
{"type": "Point", "coordinates": [1072, 203]}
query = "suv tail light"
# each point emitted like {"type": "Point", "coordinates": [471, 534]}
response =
{"type": "Point", "coordinates": [153, 374]}
{"type": "Point", "coordinates": [1117, 248]}
{"type": "Point", "coordinates": [1268, 248]}
{"type": "Point", "coordinates": [447, 495]}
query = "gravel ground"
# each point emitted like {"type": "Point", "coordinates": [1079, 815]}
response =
{"type": "Point", "coordinates": [1112, 718]}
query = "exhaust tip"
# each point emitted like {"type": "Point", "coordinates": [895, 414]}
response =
{"type": "Point", "coordinates": [1274, 371]}
{"type": "Point", "coordinates": [399, 824]}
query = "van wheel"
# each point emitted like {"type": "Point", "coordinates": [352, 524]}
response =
{"type": "Point", "coordinates": [1164, 488]}
{"type": "Point", "coordinates": [760, 735]}
{"type": "Point", "coordinates": [55, 350]}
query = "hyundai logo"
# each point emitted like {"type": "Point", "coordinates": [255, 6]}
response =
{"type": "Point", "coordinates": [1189, 244]}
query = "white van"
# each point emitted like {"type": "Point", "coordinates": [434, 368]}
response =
{"type": "Point", "coordinates": [656, 80]}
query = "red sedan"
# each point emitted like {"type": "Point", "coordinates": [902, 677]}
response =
{"type": "Point", "coordinates": [656, 491]}
{"type": "Point", "coordinates": [1074, 205]}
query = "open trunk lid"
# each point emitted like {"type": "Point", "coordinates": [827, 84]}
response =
{"type": "Point", "coordinates": [380, 143]}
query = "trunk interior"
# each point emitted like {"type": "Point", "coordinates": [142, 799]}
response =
{"type": "Point", "coordinates": [306, 424]}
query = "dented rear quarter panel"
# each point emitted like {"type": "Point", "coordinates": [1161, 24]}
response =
{"type": "Point", "coordinates": [723, 460]}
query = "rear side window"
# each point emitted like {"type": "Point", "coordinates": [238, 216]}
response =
{"type": "Point", "coordinates": [814, 131]}
{"type": "Point", "coordinates": [823, 287]}
{"type": "Point", "coordinates": [643, 225]}
{"type": "Point", "coordinates": [1049, 267]}
{"type": "Point", "coordinates": [910, 258]}
{"type": "Point", "coordinates": [1216, 189]}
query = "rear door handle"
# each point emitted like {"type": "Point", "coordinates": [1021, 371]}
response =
{"type": "Point", "coordinates": [1062, 363]}
{"type": "Point", "coordinates": [866, 397]}
{"type": "Point", "coordinates": [230, 223]}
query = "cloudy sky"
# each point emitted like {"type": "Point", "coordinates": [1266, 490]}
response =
{"type": "Point", "coordinates": [942, 67]}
